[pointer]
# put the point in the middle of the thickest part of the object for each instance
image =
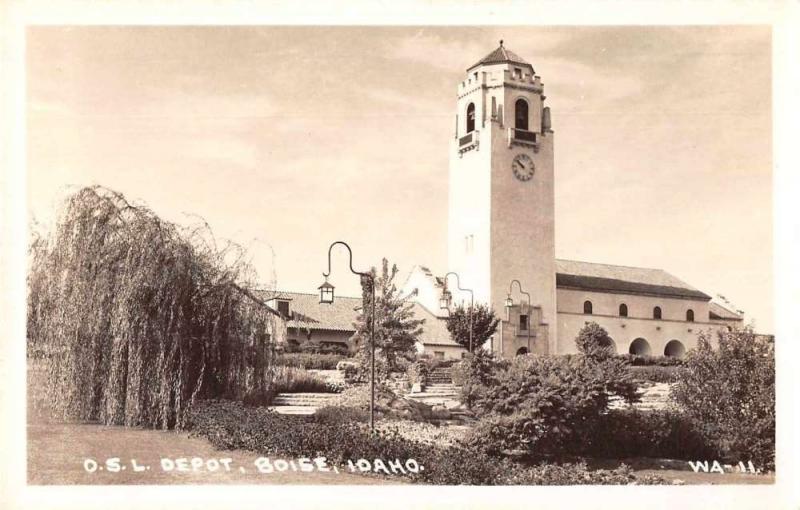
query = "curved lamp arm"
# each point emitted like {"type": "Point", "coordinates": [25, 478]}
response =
{"type": "Point", "coordinates": [350, 253]}
{"type": "Point", "coordinates": [519, 285]}
{"type": "Point", "coordinates": [458, 284]}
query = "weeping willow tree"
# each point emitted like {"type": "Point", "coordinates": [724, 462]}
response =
{"type": "Point", "coordinates": [140, 317]}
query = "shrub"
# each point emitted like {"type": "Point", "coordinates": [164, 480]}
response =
{"type": "Point", "coordinates": [388, 405]}
{"type": "Point", "coordinates": [578, 474]}
{"type": "Point", "coordinates": [729, 395]}
{"type": "Point", "coordinates": [362, 365]}
{"type": "Point", "coordinates": [656, 373]}
{"type": "Point", "coordinates": [593, 342]}
{"type": "Point", "coordinates": [229, 425]}
{"type": "Point", "coordinates": [417, 373]}
{"type": "Point", "coordinates": [312, 347]}
{"type": "Point", "coordinates": [336, 415]}
{"type": "Point", "coordinates": [309, 361]}
{"type": "Point", "coordinates": [648, 360]}
{"type": "Point", "coordinates": [541, 404]}
{"type": "Point", "coordinates": [298, 380]}
{"type": "Point", "coordinates": [260, 398]}
{"type": "Point", "coordinates": [475, 374]}
{"type": "Point", "coordinates": [636, 433]}
{"type": "Point", "coordinates": [351, 370]}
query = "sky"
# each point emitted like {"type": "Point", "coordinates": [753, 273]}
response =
{"type": "Point", "coordinates": [285, 139]}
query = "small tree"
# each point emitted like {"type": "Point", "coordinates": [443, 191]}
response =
{"type": "Point", "coordinates": [593, 342]}
{"type": "Point", "coordinates": [396, 328]}
{"type": "Point", "coordinates": [476, 373]}
{"type": "Point", "coordinates": [729, 394]}
{"type": "Point", "coordinates": [484, 325]}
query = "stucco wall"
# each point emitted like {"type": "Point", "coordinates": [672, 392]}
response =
{"type": "Point", "coordinates": [450, 352]}
{"type": "Point", "coordinates": [523, 226]}
{"type": "Point", "coordinates": [638, 324]}
{"type": "Point", "coordinates": [468, 214]}
{"type": "Point", "coordinates": [427, 293]}
{"type": "Point", "coordinates": [319, 335]}
{"type": "Point", "coordinates": [511, 337]}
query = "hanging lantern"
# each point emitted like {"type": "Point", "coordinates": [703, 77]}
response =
{"type": "Point", "coordinates": [444, 301]}
{"type": "Point", "coordinates": [326, 292]}
{"type": "Point", "coordinates": [509, 301]}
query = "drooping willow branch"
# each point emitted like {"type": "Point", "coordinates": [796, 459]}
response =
{"type": "Point", "coordinates": [138, 317]}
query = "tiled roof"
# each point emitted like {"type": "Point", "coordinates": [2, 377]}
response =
{"type": "Point", "coordinates": [499, 56]}
{"type": "Point", "coordinates": [625, 279]}
{"type": "Point", "coordinates": [307, 312]}
{"type": "Point", "coordinates": [720, 312]}
{"type": "Point", "coordinates": [434, 330]}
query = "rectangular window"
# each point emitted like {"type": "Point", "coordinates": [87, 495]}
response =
{"type": "Point", "coordinates": [523, 323]}
{"type": "Point", "coordinates": [438, 354]}
{"type": "Point", "coordinates": [283, 307]}
{"type": "Point", "coordinates": [517, 72]}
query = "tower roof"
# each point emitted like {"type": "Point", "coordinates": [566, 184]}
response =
{"type": "Point", "coordinates": [499, 56]}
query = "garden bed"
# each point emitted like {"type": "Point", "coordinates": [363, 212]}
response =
{"type": "Point", "coordinates": [231, 425]}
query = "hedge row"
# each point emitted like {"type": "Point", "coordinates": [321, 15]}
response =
{"type": "Point", "coordinates": [231, 425]}
{"type": "Point", "coordinates": [309, 361]}
{"type": "Point", "coordinates": [634, 433]}
{"type": "Point", "coordinates": [649, 360]}
{"type": "Point", "coordinates": [657, 374]}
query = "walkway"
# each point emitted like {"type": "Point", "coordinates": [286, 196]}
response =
{"type": "Point", "coordinates": [57, 451]}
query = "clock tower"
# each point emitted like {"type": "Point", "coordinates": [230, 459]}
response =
{"type": "Point", "coordinates": [501, 214]}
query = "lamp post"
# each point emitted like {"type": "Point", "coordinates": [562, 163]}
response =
{"type": "Point", "coordinates": [447, 297]}
{"type": "Point", "coordinates": [510, 303]}
{"type": "Point", "coordinates": [326, 296]}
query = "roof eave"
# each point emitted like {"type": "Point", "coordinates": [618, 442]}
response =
{"type": "Point", "coordinates": [612, 286]}
{"type": "Point", "coordinates": [489, 63]}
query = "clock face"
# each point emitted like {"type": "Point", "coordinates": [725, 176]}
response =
{"type": "Point", "coordinates": [523, 167]}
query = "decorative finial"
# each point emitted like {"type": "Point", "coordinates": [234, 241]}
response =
{"type": "Point", "coordinates": [501, 43]}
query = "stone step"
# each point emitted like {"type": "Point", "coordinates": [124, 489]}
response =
{"type": "Point", "coordinates": [302, 399]}
{"type": "Point", "coordinates": [298, 402]}
{"type": "Point", "coordinates": [307, 395]}
{"type": "Point", "coordinates": [432, 400]}
{"type": "Point", "coordinates": [296, 410]}
{"type": "Point", "coordinates": [434, 394]}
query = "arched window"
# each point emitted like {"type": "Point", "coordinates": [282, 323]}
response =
{"type": "Point", "coordinates": [690, 315]}
{"type": "Point", "coordinates": [674, 349]}
{"type": "Point", "coordinates": [587, 307]}
{"type": "Point", "coordinates": [521, 114]}
{"type": "Point", "coordinates": [657, 312]}
{"type": "Point", "coordinates": [522, 351]}
{"type": "Point", "coordinates": [471, 118]}
{"type": "Point", "coordinates": [640, 346]}
{"type": "Point", "coordinates": [623, 310]}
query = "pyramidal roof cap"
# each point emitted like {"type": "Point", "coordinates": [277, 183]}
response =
{"type": "Point", "coordinates": [499, 56]}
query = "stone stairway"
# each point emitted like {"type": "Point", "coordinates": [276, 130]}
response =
{"type": "Point", "coordinates": [440, 375]}
{"type": "Point", "coordinates": [300, 403]}
{"type": "Point", "coordinates": [436, 394]}
{"type": "Point", "coordinates": [654, 397]}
